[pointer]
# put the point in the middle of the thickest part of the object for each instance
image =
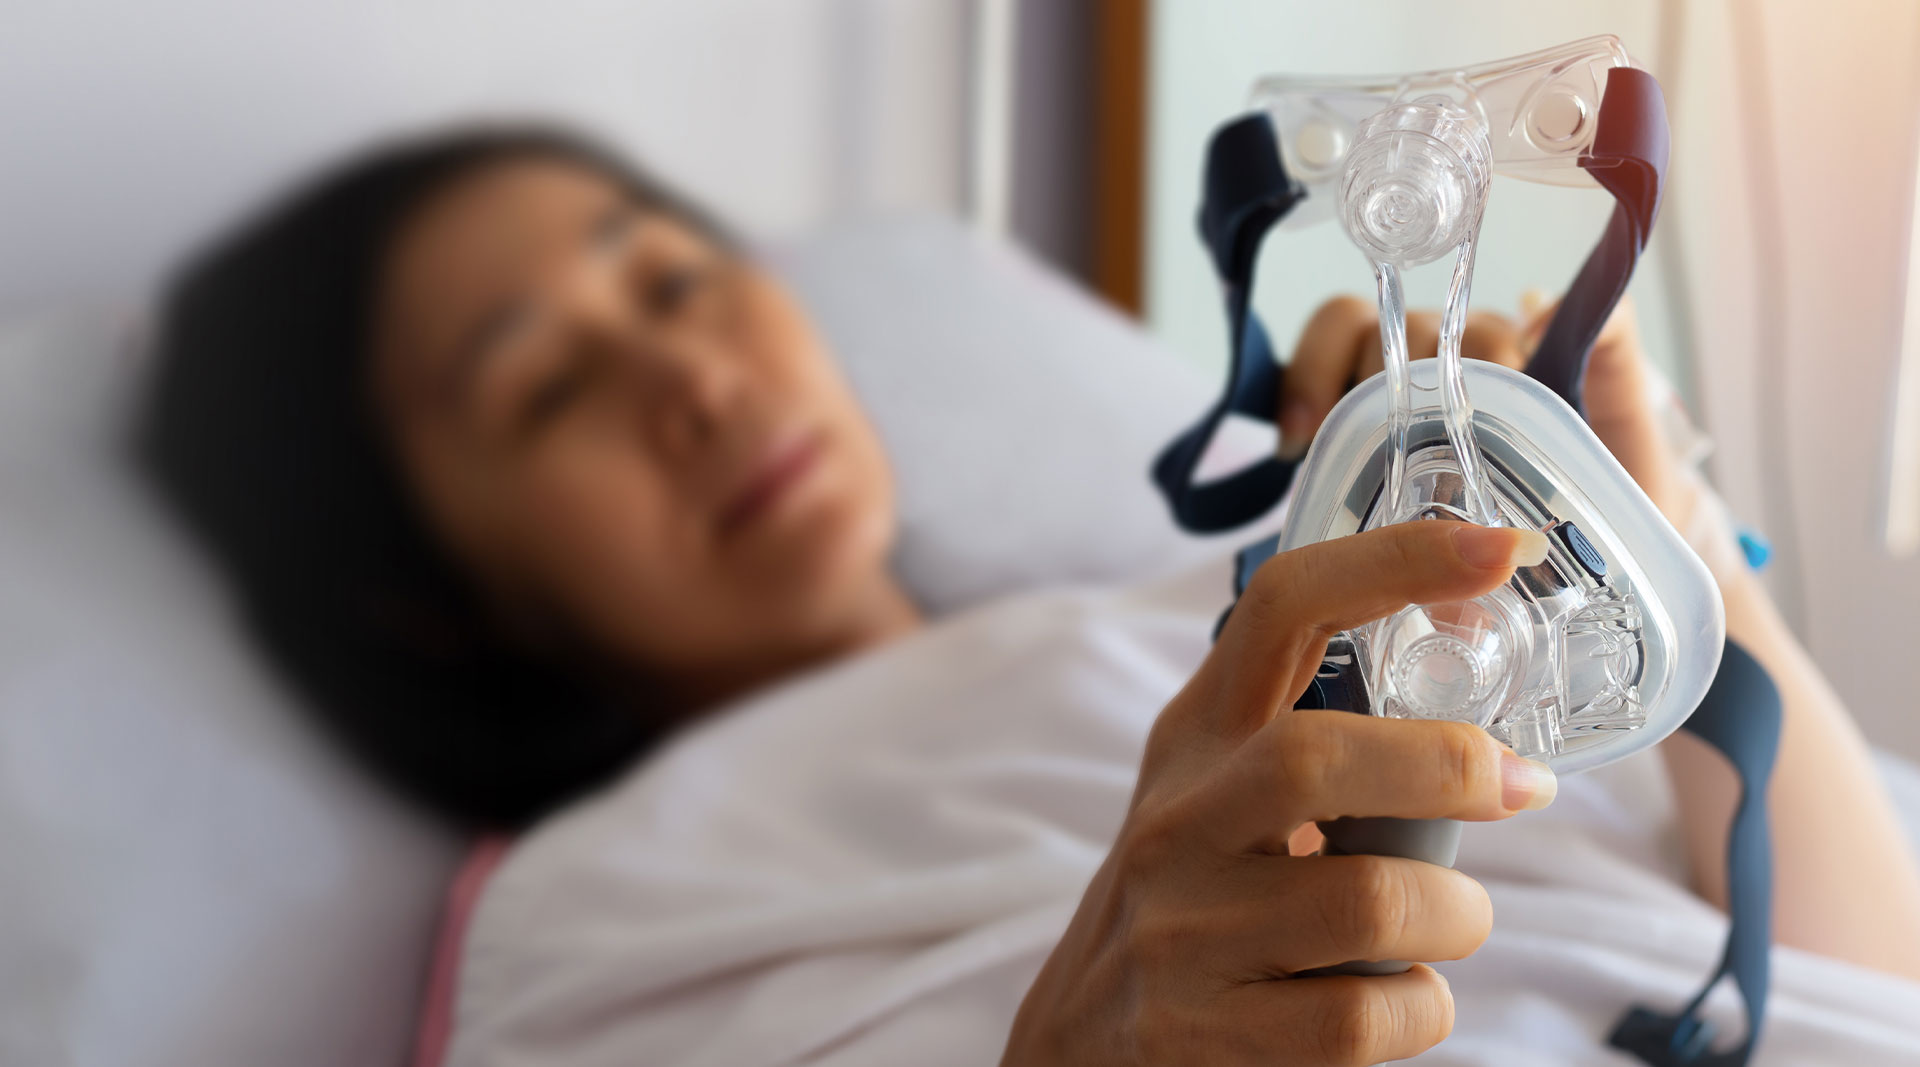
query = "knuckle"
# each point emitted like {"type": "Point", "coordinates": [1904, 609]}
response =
{"type": "Point", "coordinates": [1160, 938]}
{"type": "Point", "coordinates": [1407, 551]}
{"type": "Point", "coordinates": [1423, 334]}
{"type": "Point", "coordinates": [1304, 751]}
{"type": "Point", "coordinates": [1462, 751]}
{"type": "Point", "coordinates": [1355, 1024]}
{"type": "Point", "coordinates": [1485, 331]}
{"type": "Point", "coordinates": [1158, 1033]}
{"type": "Point", "coordinates": [1148, 846]}
{"type": "Point", "coordinates": [1350, 307]}
{"type": "Point", "coordinates": [1373, 911]}
{"type": "Point", "coordinates": [1277, 580]}
{"type": "Point", "coordinates": [1502, 350]}
{"type": "Point", "coordinates": [1277, 595]}
{"type": "Point", "coordinates": [1169, 730]}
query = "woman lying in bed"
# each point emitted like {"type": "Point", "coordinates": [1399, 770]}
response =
{"type": "Point", "coordinates": [522, 467]}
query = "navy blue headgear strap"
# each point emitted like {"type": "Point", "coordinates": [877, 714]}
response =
{"type": "Point", "coordinates": [1629, 160]}
{"type": "Point", "coordinates": [1740, 718]}
{"type": "Point", "coordinates": [1247, 191]}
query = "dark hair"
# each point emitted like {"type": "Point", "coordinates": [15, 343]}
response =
{"type": "Point", "coordinates": [258, 431]}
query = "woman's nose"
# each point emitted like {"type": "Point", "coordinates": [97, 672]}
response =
{"type": "Point", "coordinates": [685, 383]}
{"type": "Point", "coordinates": [691, 387]}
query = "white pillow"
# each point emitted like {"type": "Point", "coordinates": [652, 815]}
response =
{"type": "Point", "coordinates": [192, 879]}
{"type": "Point", "coordinates": [1020, 412]}
{"type": "Point", "coordinates": [189, 877]}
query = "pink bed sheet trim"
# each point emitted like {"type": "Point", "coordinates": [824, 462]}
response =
{"type": "Point", "coordinates": [443, 982]}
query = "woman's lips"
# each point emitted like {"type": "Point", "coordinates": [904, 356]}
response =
{"type": "Point", "coordinates": [781, 468]}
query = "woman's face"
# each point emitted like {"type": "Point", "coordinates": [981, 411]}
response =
{"type": "Point", "coordinates": [631, 437]}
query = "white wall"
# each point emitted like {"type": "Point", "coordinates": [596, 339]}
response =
{"type": "Point", "coordinates": [127, 127]}
{"type": "Point", "coordinates": [1842, 87]}
{"type": "Point", "coordinates": [1812, 202]}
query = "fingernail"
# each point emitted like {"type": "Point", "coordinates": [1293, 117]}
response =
{"type": "Point", "coordinates": [1526, 785]}
{"type": "Point", "coordinates": [1296, 429]}
{"type": "Point", "coordinates": [1532, 300]}
{"type": "Point", "coordinates": [1498, 546]}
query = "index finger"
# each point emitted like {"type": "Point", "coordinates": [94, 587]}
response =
{"type": "Point", "coordinates": [1277, 632]}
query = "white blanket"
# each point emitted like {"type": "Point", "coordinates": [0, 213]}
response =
{"type": "Point", "coordinates": [868, 865]}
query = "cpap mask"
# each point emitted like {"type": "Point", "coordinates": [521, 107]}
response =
{"type": "Point", "coordinates": [1618, 636]}
{"type": "Point", "coordinates": [1603, 649]}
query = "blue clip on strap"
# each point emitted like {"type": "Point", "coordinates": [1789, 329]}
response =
{"type": "Point", "coordinates": [1247, 191]}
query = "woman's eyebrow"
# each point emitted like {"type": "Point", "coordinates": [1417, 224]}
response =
{"type": "Point", "coordinates": [473, 346]}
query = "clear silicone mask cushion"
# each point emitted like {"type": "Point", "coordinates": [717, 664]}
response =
{"type": "Point", "coordinates": [1605, 647]}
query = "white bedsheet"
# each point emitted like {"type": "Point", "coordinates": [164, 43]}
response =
{"type": "Point", "coordinates": [868, 865]}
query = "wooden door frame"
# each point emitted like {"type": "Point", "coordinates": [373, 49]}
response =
{"type": "Point", "coordinates": [1119, 205]}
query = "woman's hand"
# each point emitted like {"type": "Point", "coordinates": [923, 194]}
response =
{"type": "Point", "coordinates": [1340, 347]}
{"type": "Point", "coordinates": [1189, 944]}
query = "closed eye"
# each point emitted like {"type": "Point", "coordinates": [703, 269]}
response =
{"type": "Point", "coordinates": [675, 287]}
